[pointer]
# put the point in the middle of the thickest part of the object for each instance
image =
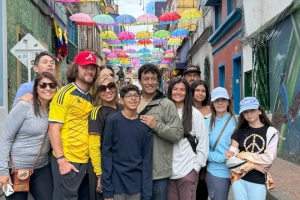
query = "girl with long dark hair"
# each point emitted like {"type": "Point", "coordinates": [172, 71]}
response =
{"type": "Point", "coordinates": [186, 160]}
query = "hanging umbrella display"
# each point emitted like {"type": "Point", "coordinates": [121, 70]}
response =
{"type": "Point", "coordinates": [146, 19]}
{"type": "Point", "coordinates": [174, 41]}
{"type": "Point", "coordinates": [169, 18]}
{"type": "Point", "coordinates": [106, 51]}
{"type": "Point", "coordinates": [104, 45]}
{"type": "Point", "coordinates": [135, 63]}
{"type": "Point", "coordinates": [190, 15]}
{"type": "Point", "coordinates": [170, 51]}
{"type": "Point", "coordinates": [163, 66]}
{"type": "Point", "coordinates": [159, 42]}
{"type": "Point", "coordinates": [144, 62]}
{"type": "Point", "coordinates": [143, 35]}
{"type": "Point", "coordinates": [180, 33]}
{"type": "Point", "coordinates": [104, 20]}
{"type": "Point", "coordinates": [114, 43]}
{"type": "Point", "coordinates": [124, 20]}
{"type": "Point", "coordinates": [126, 35]}
{"type": "Point", "coordinates": [165, 61]}
{"type": "Point", "coordinates": [144, 42]}
{"type": "Point", "coordinates": [82, 19]}
{"type": "Point", "coordinates": [123, 55]}
{"type": "Point", "coordinates": [111, 56]}
{"type": "Point", "coordinates": [161, 34]}
{"type": "Point", "coordinates": [144, 50]}
{"type": "Point", "coordinates": [117, 51]}
{"type": "Point", "coordinates": [134, 55]}
{"type": "Point", "coordinates": [130, 51]}
{"type": "Point", "coordinates": [146, 56]}
{"type": "Point", "coordinates": [108, 35]}
{"type": "Point", "coordinates": [128, 42]}
{"type": "Point", "coordinates": [157, 51]}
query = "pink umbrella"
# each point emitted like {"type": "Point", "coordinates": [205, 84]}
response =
{"type": "Point", "coordinates": [159, 42]}
{"type": "Point", "coordinates": [171, 51]}
{"type": "Point", "coordinates": [111, 56]}
{"type": "Point", "coordinates": [82, 19]}
{"type": "Point", "coordinates": [135, 62]}
{"type": "Point", "coordinates": [165, 61]}
{"type": "Point", "coordinates": [147, 19]}
{"type": "Point", "coordinates": [158, 55]}
{"type": "Point", "coordinates": [117, 51]}
{"type": "Point", "coordinates": [126, 35]}
{"type": "Point", "coordinates": [106, 51]}
{"type": "Point", "coordinates": [130, 51]}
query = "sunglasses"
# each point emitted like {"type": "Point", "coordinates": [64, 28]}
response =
{"type": "Point", "coordinates": [110, 86]}
{"type": "Point", "coordinates": [44, 85]}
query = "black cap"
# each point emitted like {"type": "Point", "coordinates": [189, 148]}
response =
{"type": "Point", "coordinates": [192, 68]}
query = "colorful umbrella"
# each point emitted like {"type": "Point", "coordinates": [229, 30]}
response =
{"type": "Point", "coordinates": [144, 42]}
{"type": "Point", "coordinates": [147, 19]}
{"type": "Point", "coordinates": [161, 34]}
{"type": "Point", "coordinates": [171, 51]}
{"type": "Point", "coordinates": [143, 35]}
{"type": "Point", "coordinates": [108, 35]}
{"type": "Point", "coordinates": [82, 19]}
{"type": "Point", "coordinates": [126, 35]}
{"type": "Point", "coordinates": [159, 42]}
{"type": "Point", "coordinates": [146, 56]}
{"type": "Point", "coordinates": [180, 33]}
{"type": "Point", "coordinates": [135, 63]}
{"type": "Point", "coordinates": [130, 51]}
{"type": "Point", "coordinates": [128, 41]}
{"type": "Point", "coordinates": [111, 56]}
{"type": "Point", "coordinates": [174, 41]}
{"type": "Point", "coordinates": [123, 55]}
{"type": "Point", "coordinates": [158, 55]}
{"type": "Point", "coordinates": [104, 20]}
{"type": "Point", "coordinates": [117, 51]}
{"type": "Point", "coordinates": [144, 50]}
{"type": "Point", "coordinates": [157, 51]}
{"type": "Point", "coordinates": [165, 61]}
{"type": "Point", "coordinates": [169, 18]}
{"type": "Point", "coordinates": [106, 51]}
{"type": "Point", "coordinates": [114, 43]}
{"type": "Point", "coordinates": [104, 45]}
{"type": "Point", "coordinates": [190, 15]}
{"type": "Point", "coordinates": [134, 55]}
{"type": "Point", "coordinates": [170, 55]}
{"type": "Point", "coordinates": [163, 66]}
{"type": "Point", "coordinates": [125, 19]}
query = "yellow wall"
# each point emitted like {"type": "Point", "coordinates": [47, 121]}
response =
{"type": "Point", "coordinates": [185, 5]}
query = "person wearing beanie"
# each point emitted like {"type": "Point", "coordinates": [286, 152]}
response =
{"type": "Point", "coordinates": [220, 127]}
{"type": "Point", "coordinates": [192, 73]}
{"type": "Point", "coordinates": [68, 129]}
{"type": "Point", "coordinates": [254, 145]}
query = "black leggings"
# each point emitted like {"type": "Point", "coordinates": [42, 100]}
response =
{"type": "Point", "coordinates": [41, 185]}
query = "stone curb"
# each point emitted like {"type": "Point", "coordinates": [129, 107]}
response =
{"type": "Point", "coordinates": [276, 194]}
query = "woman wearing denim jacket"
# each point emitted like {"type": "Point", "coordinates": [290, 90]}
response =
{"type": "Point", "coordinates": [217, 176]}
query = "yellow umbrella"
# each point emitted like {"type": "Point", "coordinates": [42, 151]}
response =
{"type": "Point", "coordinates": [190, 15]}
{"type": "Point", "coordinates": [108, 35]}
{"type": "Point", "coordinates": [143, 35]}
{"type": "Point", "coordinates": [124, 61]}
{"type": "Point", "coordinates": [174, 41]}
{"type": "Point", "coordinates": [163, 66]}
{"type": "Point", "coordinates": [104, 45]}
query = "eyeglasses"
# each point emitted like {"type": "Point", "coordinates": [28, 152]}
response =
{"type": "Point", "coordinates": [110, 86]}
{"type": "Point", "coordinates": [128, 95]}
{"type": "Point", "coordinates": [44, 85]}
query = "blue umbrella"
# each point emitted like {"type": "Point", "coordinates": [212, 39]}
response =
{"type": "Point", "coordinates": [125, 19]}
{"type": "Point", "coordinates": [128, 41]}
{"type": "Point", "coordinates": [144, 50]}
{"type": "Point", "coordinates": [180, 32]}
{"type": "Point", "coordinates": [144, 62]}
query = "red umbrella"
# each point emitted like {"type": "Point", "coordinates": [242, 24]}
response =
{"type": "Point", "coordinates": [169, 17]}
{"type": "Point", "coordinates": [123, 55]}
{"type": "Point", "coordinates": [144, 42]}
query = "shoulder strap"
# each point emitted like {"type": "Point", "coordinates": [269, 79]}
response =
{"type": "Point", "coordinates": [214, 147]}
{"type": "Point", "coordinates": [146, 109]}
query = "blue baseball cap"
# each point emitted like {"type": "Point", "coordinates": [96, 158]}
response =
{"type": "Point", "coordinates": [219, 92]}
{"type": "Point", "coordinates": [248, 103]}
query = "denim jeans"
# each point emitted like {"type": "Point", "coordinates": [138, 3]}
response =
{"type": "Point", "coordinates": [160, 189]}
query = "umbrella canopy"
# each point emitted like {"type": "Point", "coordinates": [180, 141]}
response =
{"type": "Point", "coordinates": [128, 41]}
{"type": "Point", "coordinates": [117, 51]}
{"type": "Point", "coordinates": [123, 55]}
{"type": "Point", "coordinates": [163, 66]}
{"type": "Point", "coordinates": [125, 19]}
{"type": "Point", "coordinates": [135, 63]}
{"type": "Point", "coordinates": [147, 19]}
{"type": "Point", "coordinates": [180, 33]}
{"type": "Point", "coordinates": [82, 19]}
{"type": "Point", "coordinates": [165, 61]}
{"type": "Point", "coordinates": [108, 35]}
{"type": "Point", "coordinates": [174, 41]}
{"type": "Point", "coordinates": [144, 42]}
{"type": "Point", "coordinates": [144, 50]}
{"type": "Point", "coordinates": [106, 51]}
{"type": "Point", "coordinates": [169, 18]}
{"type": "Point", "coordinates": [157, 51]}
{"type": "Point", "coordinates": [170, 51]}
{"type": "Point", "coordinates": [170, 55]}
{"type": "Point", "coordinates": [160, 42]}
{"type": "Point", "coordinates": [130, 51]}
{"type": "Point", "coordinates": [134, 55]}
{"type": "Point", "coordinates": [158, 55]}
{"type": "Point", "coordinates": [104, 20]}
{"type": "Point", "coordinates": [104, 45]}
{"type": "Point", "coordinates": [114, 43]}
{"type": "Point", "coordinates": [143, 35]}
{"type": "Point", "coordinates": [161, 34]}
{"type": "Point", "coordinates": [111, 56]}
{"type": "Point", "coordinates": [126, 35]}
{"type": "Point", "coordinates": [190, 15]}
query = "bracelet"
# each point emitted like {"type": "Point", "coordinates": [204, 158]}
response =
{"type": "Point", "coordinates": [60, 158]}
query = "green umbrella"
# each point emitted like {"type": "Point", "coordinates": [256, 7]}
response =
{"type": "Point", "coordinates": [161, 34]}
{"type": "Point", "coordinates": [157, 50]}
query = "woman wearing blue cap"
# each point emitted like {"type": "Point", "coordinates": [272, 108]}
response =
{"type": "Point", "coordinates": [221, 125]}
{"type": "Point", "coordinates": [254, 142]}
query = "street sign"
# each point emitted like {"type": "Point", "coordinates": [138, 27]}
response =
{"type": "Point", "coordinates": [26, 50]}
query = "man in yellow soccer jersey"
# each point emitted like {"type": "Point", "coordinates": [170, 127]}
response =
{"type": "Point", "coordinates": [68, 129]}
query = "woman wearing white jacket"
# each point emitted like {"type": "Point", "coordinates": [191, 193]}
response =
{"type": "Point", "coordinates": [186, 161]}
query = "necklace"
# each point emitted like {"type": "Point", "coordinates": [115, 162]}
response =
{"type": "Point", "coordinates": [254, 144]}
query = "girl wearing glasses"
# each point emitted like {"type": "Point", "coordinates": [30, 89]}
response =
{"type": "Point", "coordinates": [105, 100]}
{"type": "Point", "coordinates": [220, 127]}
{"type": "Point", "coordinates": [25, 129]}
{"type": "Point", "coordinates": [187, 161]}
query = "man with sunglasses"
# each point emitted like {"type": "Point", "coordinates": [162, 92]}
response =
{"type": "Point", "coordinates": [44, 62]}
{"type": "Point", "coordinates": [68, 129]}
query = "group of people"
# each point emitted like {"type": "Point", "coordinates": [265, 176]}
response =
{"type": "Point", "coordinates": [131, 144]}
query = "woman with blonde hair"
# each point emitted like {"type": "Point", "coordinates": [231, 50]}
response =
{"type": "Point", "coordinates": [220, 127]}
{"type": "Point", "coordinates": [105, 100]}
